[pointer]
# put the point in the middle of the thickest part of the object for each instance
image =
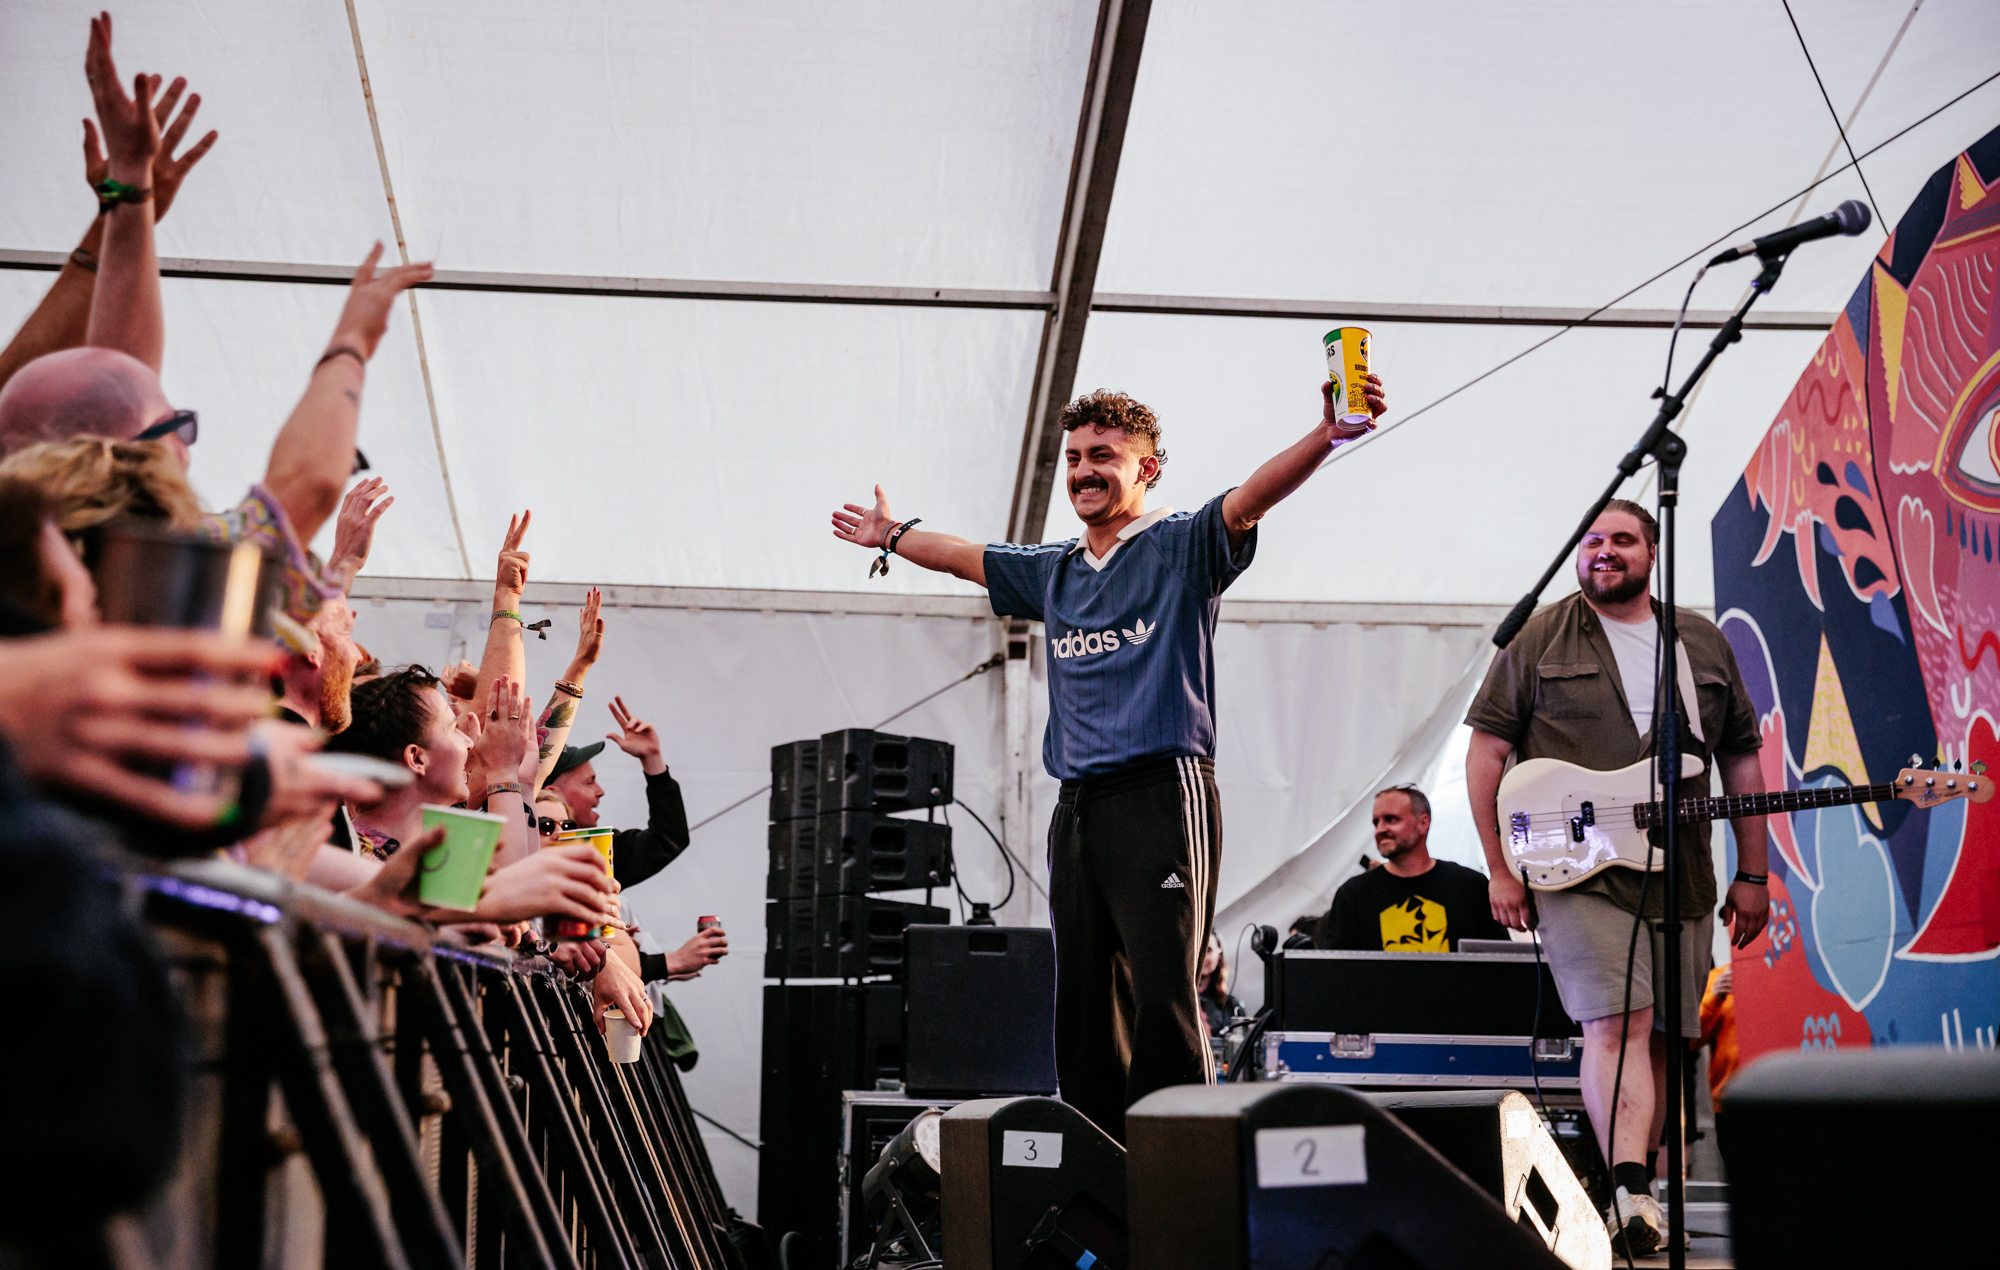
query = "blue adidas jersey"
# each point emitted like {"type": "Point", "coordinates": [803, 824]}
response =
{"type": "Point", "coordinates": [1131, 654]}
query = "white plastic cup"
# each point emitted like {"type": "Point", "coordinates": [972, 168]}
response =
{"type": "Point", "coordinates": [621, 1038]}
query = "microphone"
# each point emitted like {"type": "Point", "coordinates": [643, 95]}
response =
{"type": "Point", "coordinates": [1850, 218]}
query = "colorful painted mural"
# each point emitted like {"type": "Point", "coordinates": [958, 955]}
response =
{"type": "Point", "coordinates": [1856, 578]}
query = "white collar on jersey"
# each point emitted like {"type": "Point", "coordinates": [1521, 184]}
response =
{"type": "Point", "coordinates": [1125, 535]}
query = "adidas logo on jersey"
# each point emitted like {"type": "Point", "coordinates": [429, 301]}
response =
{"type": "Point", "coordinates": [1087, 643]}
{"type": "Point", "coordinates": [1173, 883]}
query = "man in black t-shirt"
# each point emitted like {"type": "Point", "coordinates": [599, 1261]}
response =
{"type": "Point", "coordinates": [1411, 903]}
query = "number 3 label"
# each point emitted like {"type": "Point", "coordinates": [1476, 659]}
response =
{"type": "Point", "coordinates": [1324, 1155]}
{"type": "Point", "coordinates": [1030, 1150]}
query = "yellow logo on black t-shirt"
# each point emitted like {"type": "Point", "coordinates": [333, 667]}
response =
{"type": "Point", "coordinates": [1415, 925]}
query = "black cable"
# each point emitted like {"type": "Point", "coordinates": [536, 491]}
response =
{"type": "Point", "coordinates": [1667, 380]}
{"type": "Point", "coordinates": [1699, 251]}
{"type": "Point", "coordinates": [1005, 854]}
{"type": "Point", "coordinates": [1837, 125]}
{"type": "Point", "coordinates": [1535, 1028]}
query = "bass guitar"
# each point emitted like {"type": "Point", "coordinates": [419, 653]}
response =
{"type": "Point", "coordinates": [1565, 823]}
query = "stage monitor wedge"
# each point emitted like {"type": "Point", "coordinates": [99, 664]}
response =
{"type": "Point", "coordinates": [1495, 1137]}
{"type": "Point", "coordinates": [864, 770]}
{"type": "Point", "coordinates": [1275, 1176]}
{"type": "Point", "coordinates": [1031, 1184]}
{"type": "Point", "coordinates": [1865, 1157]}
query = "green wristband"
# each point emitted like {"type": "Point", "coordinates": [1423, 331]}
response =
{"type": "Point", "coordinates": [498, 614]}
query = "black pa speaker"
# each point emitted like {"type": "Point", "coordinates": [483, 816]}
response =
{"type": "Point", "coordinates": [788, 938]}
{"type": "Point", "coordinates": [1845, 1157]}
{"type": "Point", "coordinates": [795, 780]}
{"type": "Point", "coordinates": [1031, 1184]}
{"type": "Point", "coordinates": [862, 770]}
{"type": "Point", "coordinates": [861, 851]}
{"type": "Point", "coordinates": [794, 846]}
{"type": "Point", "coordinates": [982, 1010]}
{"type": "Point", "coordinates": [1258, 1177]}
{"type": "Point", "coordinates": [1495, 1137]}
{"type": "Point", "coordinates": [856, 935]}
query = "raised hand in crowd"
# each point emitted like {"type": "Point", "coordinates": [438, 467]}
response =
{"type": "Point", "coordinates": [504, 654]}
{"type": "Point", "coordinates": [125, 307]}
{"type": "Point", "coordinates": [314, 453]}
{"type": "Point", "coordinates": [168, 170]}
{"type": "Point", "coordinates": [710, 945]}
{"type": "Point", "coordinates": [502, 749]}
{"type": "Point", "coordinates": [354, 530]}
{"type": "Point", "coordinates": [639, 738]}
{"type": "Point", "coordinates": [560, 713]}
{"type": "Point", "coordinates": [78, 706]}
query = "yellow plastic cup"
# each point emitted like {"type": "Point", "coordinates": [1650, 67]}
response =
{"type": "Point", "coordinates": [1347, 366]}
{"type": "Point", "coordinates": [599, 839]}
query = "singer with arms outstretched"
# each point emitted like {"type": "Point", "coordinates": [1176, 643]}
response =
{"type": "Point", "coordinates": [1129, 611]}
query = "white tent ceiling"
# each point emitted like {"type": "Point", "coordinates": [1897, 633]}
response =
{"type": "Point", "coordinates": [1443, 154]}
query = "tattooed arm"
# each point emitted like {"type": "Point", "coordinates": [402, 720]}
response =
{"type": "Point", "coordinates": [556, 720]}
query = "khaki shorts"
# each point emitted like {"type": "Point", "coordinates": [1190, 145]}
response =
{"type": "Point", "coordinates": [1585, 937]}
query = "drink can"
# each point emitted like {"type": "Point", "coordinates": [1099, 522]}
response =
{"type": "Point", "coordinates": [1347, 366]}
{"type": "Point", "coordinates": [703, 923]}
{"type": "Point", "coordinates": [599, 838]}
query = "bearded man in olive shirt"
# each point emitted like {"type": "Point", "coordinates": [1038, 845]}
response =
{"type": "Point", "coordinates": [1560, 690]}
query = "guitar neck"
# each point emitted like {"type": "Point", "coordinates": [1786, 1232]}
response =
{"type": "Point", "coordinates": [1730, 806]}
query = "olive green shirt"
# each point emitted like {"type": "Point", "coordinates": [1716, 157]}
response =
{"type": "Point", "coordinates": [1555, 692]}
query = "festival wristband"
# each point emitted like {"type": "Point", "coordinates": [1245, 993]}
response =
{"type": "Point", "coordinates": [111, 193]}
{"type": "Point", "coordinates": [500, 613]}
{"type": "Point", "coordinates": [505, 787]}
{"type": "Point", "coordinates": [1754, 879]}
{"type": "Point", "coordinates": [83, 260]}
{"type": "Point", "coordinates": [889, 542]}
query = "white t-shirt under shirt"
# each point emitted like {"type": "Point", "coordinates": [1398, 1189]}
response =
{"type": "Point", "coordinates": [1636, 646]}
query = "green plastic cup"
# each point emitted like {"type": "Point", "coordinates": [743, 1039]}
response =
{"type": "Point", "coordinates": [454, 872]}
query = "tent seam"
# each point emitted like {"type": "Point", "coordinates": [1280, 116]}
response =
{"type": "Point", "coordinates": [416, 318]}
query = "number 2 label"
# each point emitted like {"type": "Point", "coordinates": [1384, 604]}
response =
{"type": "Point", "coordinates": [1323, 1155]}
{"type": "Point", "coordinates": [1030, 1150]}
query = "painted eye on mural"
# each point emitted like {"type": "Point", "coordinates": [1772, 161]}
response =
{"type": "Point", "coordinates": [1976, 458]}
{"type": "Point", "coordinates": [1968, 458]}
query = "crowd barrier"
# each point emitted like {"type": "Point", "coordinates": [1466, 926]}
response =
{"type": "Point", "coordinates": [455, 1107]}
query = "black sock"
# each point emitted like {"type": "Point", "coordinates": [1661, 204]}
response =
{"type": "Point", "coordinates": [1652, 1164]}
{"type": "Point", "coordinates": [1632, 1177]}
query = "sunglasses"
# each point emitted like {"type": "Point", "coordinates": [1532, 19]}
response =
{"type": "Point", "coordinates": [548, 826]}
{"type": "Point", "coordinates": [180, 423]}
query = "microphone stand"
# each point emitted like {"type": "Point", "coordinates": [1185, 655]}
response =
{"type": "Point", "coordinates": [1661, 444]}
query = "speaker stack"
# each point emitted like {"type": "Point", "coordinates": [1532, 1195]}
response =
{"type": "Point", "coordinates": [834, 847]}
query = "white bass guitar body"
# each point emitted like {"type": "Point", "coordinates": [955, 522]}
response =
{"type": "Point", "coordinates": [1567, 823]}
{"type": "Point", "coordinates": [1563, 823]}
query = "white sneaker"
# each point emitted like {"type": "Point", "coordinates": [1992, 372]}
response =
{"type": "Point", "coordinates": [1638, 1219]}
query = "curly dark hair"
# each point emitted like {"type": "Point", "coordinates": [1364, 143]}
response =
{"type": "Point", "coordinates": [1101, 409]}
{"type": "Point", "coordinates": [390, 714]}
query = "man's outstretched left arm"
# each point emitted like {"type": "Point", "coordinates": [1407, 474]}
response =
{"type": "Point", "coordinates": [1245, 505]}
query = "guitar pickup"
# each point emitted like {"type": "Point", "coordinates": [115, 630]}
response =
{"type": "Point", "coordinates": [1519, 822]}
{"type": "Point", "coordinates": [1585, 819]}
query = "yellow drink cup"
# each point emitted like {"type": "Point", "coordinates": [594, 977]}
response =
{"type": "Point", "coordinates": [599, 839]}
{"type": "Point", "coordinates": [1347, 366]}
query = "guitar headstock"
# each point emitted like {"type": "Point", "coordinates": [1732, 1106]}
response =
{"type": "Point", "coordinates": [1931, 787]}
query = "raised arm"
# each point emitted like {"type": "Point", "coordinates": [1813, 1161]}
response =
{"type": "Point", "coordinates": [560, 714]}
{"type": "Point", "coordinates": [942, 553]}
{"type": "Point", "coordinates": [504, 654]}
{"type": "Point", "coordinates": [354, 532]}
{"type": "Point", "coordinates": [314, 453]}
{"type": "Point", "coordinates": [125, 310]}
{"type": "Point", "coordinates": [1270, 484]}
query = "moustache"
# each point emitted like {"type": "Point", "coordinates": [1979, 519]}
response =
{"type": "Point", "coordinates": [1087, 483]}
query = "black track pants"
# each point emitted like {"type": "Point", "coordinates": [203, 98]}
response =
{"type": "Point", "coordinates": [1133, 859]}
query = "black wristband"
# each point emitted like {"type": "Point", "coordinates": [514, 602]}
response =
{"type": "Point", "coordinates": [1754, 879]}
{"type": "Point", "coordinates": [896, 534]}
{"type": "Point", "coordinates": [342, 351]}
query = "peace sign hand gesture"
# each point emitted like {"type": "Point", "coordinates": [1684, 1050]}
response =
{"type": "Point", "coordinates": [641, 740]}
{"type": "Point", "coordinates": [513, 573]}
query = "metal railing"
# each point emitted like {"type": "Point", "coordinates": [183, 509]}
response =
{"type": "Point", "coordinates": [456, 1107]}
